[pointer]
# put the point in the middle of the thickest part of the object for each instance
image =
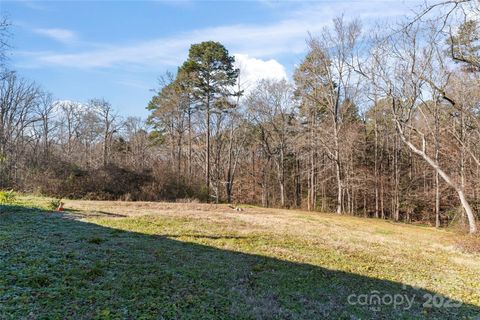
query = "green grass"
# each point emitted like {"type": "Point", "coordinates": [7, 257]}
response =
{"type": "Point", "coordinates": [144, 261]}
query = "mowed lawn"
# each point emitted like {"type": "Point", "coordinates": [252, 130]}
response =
{"type": "Point", "coordinates": [140, 260]}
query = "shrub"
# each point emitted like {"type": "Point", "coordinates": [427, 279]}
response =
{"type": "Point", "coordinates": [54, 204]}
{"type": "Point", "coordinates": [7, 197]}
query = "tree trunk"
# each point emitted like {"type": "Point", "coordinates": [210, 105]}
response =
{"type": "Point", "coordinates": [189, 144]}
{"type": "Point", "coordinates": [281, 178]}
{"type": "Point", "coordinates": [207, 155]}
{"type": "Point", "coordinates": [437, 180]}
{"type": "Point", "coordinates": [466, 206]}
{"type": "Point", "coordinates": [339, 188]}
{"type": "Point", "coordinates": [396, 181]}
{"type": "Point", "coordinates": [375, 157]}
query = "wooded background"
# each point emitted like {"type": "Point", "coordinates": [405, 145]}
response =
{"type": "Point", "coordinates": [378, 123]}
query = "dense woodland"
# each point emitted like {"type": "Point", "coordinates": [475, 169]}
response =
{"type": "Point", "coordinates": [377, 122]}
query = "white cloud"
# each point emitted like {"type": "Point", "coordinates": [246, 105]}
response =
{"type": "Point", "coordinates": [62, 35]}
{"type": "Point", "coordinates": [253, 70]}
{"type": "Point", "coordinates": [258, 41]}
{"type": "Point", "coordinates": [285, 36]}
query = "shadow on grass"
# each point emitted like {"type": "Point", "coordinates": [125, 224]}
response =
{"type": "Point", "coordinates": [52, 267]}
{"type": "Point", "coordinates": [96, 213]}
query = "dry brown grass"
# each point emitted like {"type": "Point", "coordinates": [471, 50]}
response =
{"type": "Point", "coordinates": [361, 233]}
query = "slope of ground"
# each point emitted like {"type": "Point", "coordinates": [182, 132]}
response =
{"type": "Point", "coordinates": [140, 260]}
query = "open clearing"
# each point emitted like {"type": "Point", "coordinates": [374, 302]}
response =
{"type": "Point", "coordinates": [140, 260]}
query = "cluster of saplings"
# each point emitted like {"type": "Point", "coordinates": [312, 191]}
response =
{"type": "Point", "coordinates": [380, 123]}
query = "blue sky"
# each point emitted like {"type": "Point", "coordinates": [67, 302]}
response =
{"type": "Point", "coordinates": [117, 49]}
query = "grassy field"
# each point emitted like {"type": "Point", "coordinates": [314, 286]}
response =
{"type": "Point", "coordinates": [139, 260]}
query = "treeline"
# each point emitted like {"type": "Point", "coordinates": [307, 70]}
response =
{"type": "Point", "coordinates": [382, 124]}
